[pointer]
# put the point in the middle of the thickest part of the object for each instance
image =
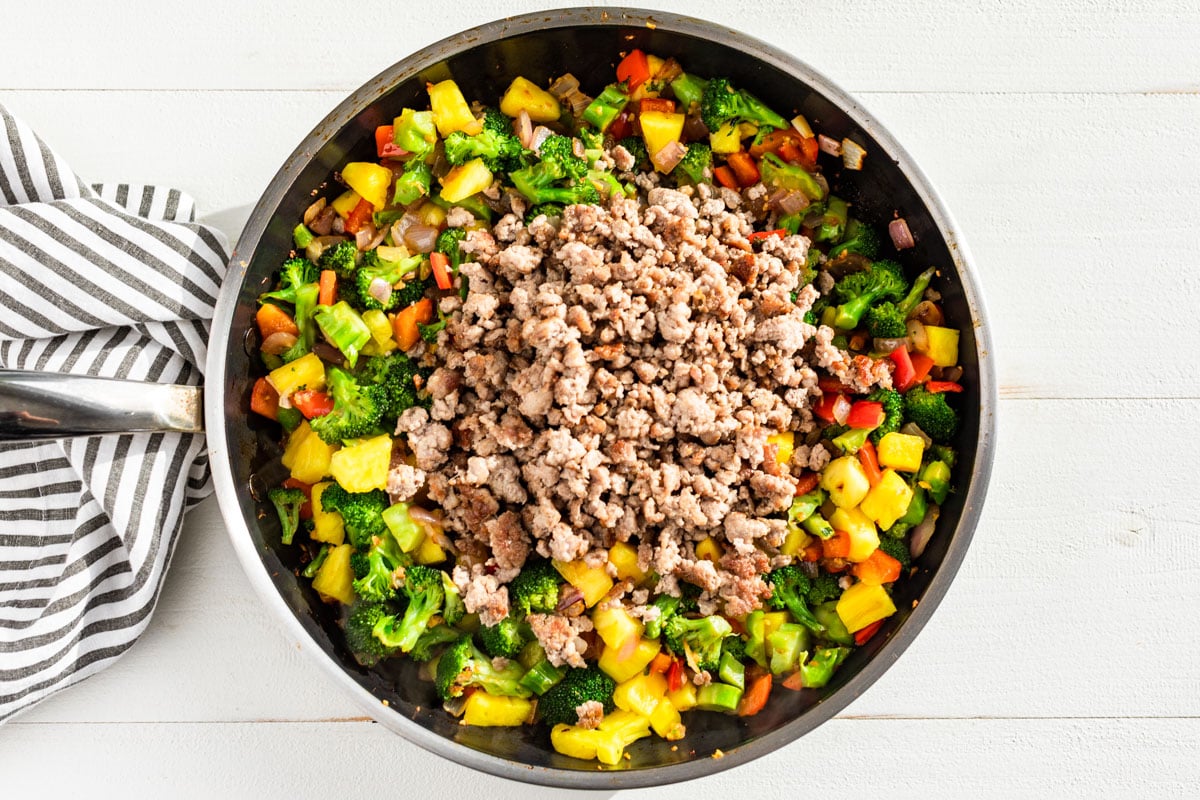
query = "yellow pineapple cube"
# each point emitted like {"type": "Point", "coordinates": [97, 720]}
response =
{"type": "Point", "coordinates": [450, 110]}
{"type": "Point", "coordinates": [308, 458]}
{"type": "Point", "coordinates": [306, 372]}
{"type": "Point", "coordinates": [785, 444]}
{"type": "Point", "coordinates": [335, 579]}
{"type": "Point", "coordinates": [489, 711]}
{"type": "Point", "coordinates": [641, 694]}
{"type": "Point", "coordinates": [862, 604]}
{"type": "Point", "coordinates": [888, 500]}
{"type": "Point", "coordinates": [593, 582]}
{"type": "Point", "coordinates": [846, 481]}
{"type": "Point", "coordinates": [536, 101]}
{"type": "Point", "coordinates": [709, 550]}
{"type": "Point", "coordinates": [624, 557]}
{"type": "Point", "coordinates": [465, 180]}
{"type": "Point", "coordinates": [621, 666]}
{"type": "Point", "coordinates": [864, 538]}
{"type": "Point", "coordinates": [328, 526]}
{"type": "Point", "coordinates": [683, 698]}
{"type": "Point", "coordinates": [901, 451]}
{"type": "Point", "coordinates": [666, 722]}
{"type": "Point", "coordinates": [614, 625]}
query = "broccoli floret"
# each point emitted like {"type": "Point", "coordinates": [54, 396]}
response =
{"type": "Point", "coordinates": [931, 413]}
{"type": "Point", "coordinates": [377, 583]}
{"type": "Point", "coordinates": [394, 374]}
{"type": "Point", "coordinates": [897, 549]}
{"type": "Point", "coordinates": [294, 273]}
{"type": "Point", "coordinates": [412, 291]}
{"type": "Point", "coordinates": [342, 258]}
{"type": "Point", "coordinates": [453, 609]}
{"type": "Point", "coordinates": [557, 152]}
{"type": "Point", "coordinates": [463, 664]}
{"type": "Point", "coordinates": [500, 151]}
{"type": "Point", "coordinates": [858, 291]}
{"type": "Point", "coordinates": [549, 209]}
{"type": "Point", "coordinates": [357, 408]}
{"type": "Point", "coordinates": [734, 647]}
{"type": "Point", "coordinates": [893, 412]}
{"type": "Point", "coordinates": [360, 565]}
{"type": "Point", "coordinates": [360, 633]}
{"type": "Point", "coordinates": [502, 640]}
{"type": "Point", "coordinates": [535, 589]}
{"type": "Point", "coordinates": [413, 183]}
{"type": "Point", "coordinates": [823, 588]}
{"type": "Point", "coordinates": [391, 272]}
{"type": "Point", "coordinates": [637, 148]}
{"type": "Point", "coordinates": [721, 103]}
{"type": "Point", "coordinates": [429, 333]}
{"type": "Point", "coordinates": [361, 512]}
{"type": "Point", "coordinates": [699, 640]}
{"type": "Point", "coordinates": [885, 321]}
{"type": "Point", "coordinates": [696, 165]}
{"type": "Point", "coordinates": [430, 639]}
{"type": "Point", "coordinates": [859, 238]}
{"type": "Point", "coordinates": [790, 589]}
{"type": "Point", "coordinates": [541, 183]}
{"type": "Point", "coordinates": [423, 589]}
{"type": "Point", "coordinates": [287, 504]}
{"type": "Point", "coordinates": [668, 607]}
{"type": "Point", "coordinates": [449, 243]}
{"type": "Point", "coordinates": [579, 686]}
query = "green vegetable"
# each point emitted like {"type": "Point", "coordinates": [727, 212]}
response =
{"type": "Point", "coordinates": [500, 150]}
{"type": "Point", "coordinates": [295, 273]}
{"type": "Point", "coordinates": [342, 258]}
{"type": "Point", "coordinates": [887, 320]}
{"type": "Point", "coordinates": [689, 90]}
{"type": "Point", "coordinates": [786, 647]}
{"type": "Point", "coordinates": [606, 107]}
{"type": "Point", "coordinates": [535, 589]}
{"type": "Point", "coordinates": [789, 590]}
{"type": "Point", "coordinates": [897, 549]}
{"type": "Point", "coordinates": [362, 513]}
{"type": "Point", "coordinates": [835, 629]}
{"type": "Point", "coordinates": [541, 676]}
{"type": "Point", "coordinates": [852, 440]}
{"type": "Point", "coordinates": [287, 504]}
{"type": "Point", "coordinates": [289, 418]}
{"type": "Point", "coordinates": [893, 412]}
{"type": "Point", "coordinates": [462, 665]}
{"type": "Point", "coordinates": [360, 633]}
{"type": "Point", "coordinates": [577, 687]}
{"type": "Point", "coordinates": [422, 587]}
{"type": "Point", "coordinates": [376, 585]}
{"type": "Point", "coordinates": [310, 569]}
{"type": "Point", "coordinates": [700, 637]}
{"type": "Point", "coordinates": [721, 103]}
{"type": "Point", "coordinates": [937, 475]}
{"type": "Point", "coordinates": [301, 236]}
{"type": "Point", "coordinates": [637, 148]}
{"type": "Point", "coordinates": [859, 238]}
{"type": "Point", "coordinates": [720, 697]}
{"type": "Point", "coordinates": [730, 670]}
{"type": "Point", "coordinates": [344, 329]}
{"type": "Point", "coordinates": [431, 639]}
{"type": "Point", "coordinates": [833, 223]}
{"type": "Point", "coordinates": [357, 408]}
{"type": "Point", "coordinates": [820, 668]}
{"type": "Point", "coordinates": [778, 174]}
{"type": "Point", "coordinates": [391, 272]}
{"type": "Point", "coordinates": [413, 183]}
{"type": "Point", "coordinates": [859, 290]}
{"type": "Point", "coordinates": [306, 306]}
{"type": "Point", "coordinates": [696, 165]}
{"type": "Point", "coordinates": [557, 177]}
{"type": "Point", "coordinates": [917, 507]}
{"type": "Point", "coordinates": [416, 132]}
{"type": "Point", "coordinates": [756, 642]}
{"type": "Point", "coordinates": [931, 413]}
{"type": "Point", "coordinates": [395, 374]}
{"type": "Point", "coordinates": [504, 639]}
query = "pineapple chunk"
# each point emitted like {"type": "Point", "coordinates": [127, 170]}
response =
{"type": "Point", "coordinates": [942, 345]}
{"type": "Point", "coordinates": [607, 742]}
{"type": "Point", "coordinates": [862, 604]}
{"type": "Point", "coordinates": [432, 214]}
{"type": "Point", "coordinates": [660, 128]}
{"type": "Point", "coordinates": [709, 550]}
{"type": "Point", "coordinates": [306, 372]}
{"type": "Point", "coordinates": [335, 579]}
{"type": "Point", "coordinates": [621, 669]}
{"type": "Point", "coordinates": [641, 694]}
{"type": "Point", "coordinates": [537, 102]}
{"type": "Point", "coordinates": [725, 139]}
{"type": "Point", "coordinates": [381, 330]}
{"type": "Point", "coordinates": [772, 620]}
{"type": "Point", "coordinates": [488, 711]}
{"type": "Point", "coordinates": [450, 110]}
{"type": "Point", "coordinates": [846, 482]}
{"type": "Point", "coordinates": [593, 582]}
{"type": "Point", "coordinates": [888, 500]}
{"type": "Point", "coordinates": [864, 539]}
{"type": "Point", "coordinates": [683, 698]}
{"type": "Point", "coordinates": [364, 465]}
{"type": "Point", "coordinates": [328, 526]}
{"type": "Point", "coordinates": [614, 625]}
{"type": "Point", "coordinates": [901, 451]}
{"type": "Point", "coordinates": [371, 181]}
{"type": "Point", "coordinates": [666, 722]}
{"type": "Point", "coordinates": [308, 458]}
{"type": "Point", "coordinates": [796, 541]}
{"type": "Point", "coordinates": [624, 557]}
{"type": "Point", "coordinates": [429, 552]}
{"type": "Point", "coordinates": [785, 444]}
{"type": "Point", "coordinates": [345, 203]}
{"type": "Point", "coordinates": [465, 180]}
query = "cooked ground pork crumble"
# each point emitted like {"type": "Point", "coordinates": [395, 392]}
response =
{"type": "Point", "coordinates": [613, 375]}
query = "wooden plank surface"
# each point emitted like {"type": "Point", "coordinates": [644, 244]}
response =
{"type": "Point", "coordinates": [1063, 662]}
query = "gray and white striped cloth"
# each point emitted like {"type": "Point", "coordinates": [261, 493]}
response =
{"type": "Point", "coordinates": [113, 280]}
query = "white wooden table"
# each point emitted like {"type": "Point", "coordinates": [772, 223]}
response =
{"type": "Point", "coordinates": [1063, 136]}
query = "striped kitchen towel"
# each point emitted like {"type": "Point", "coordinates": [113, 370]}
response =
{"type": "Point", "coordinates": [113, 280]}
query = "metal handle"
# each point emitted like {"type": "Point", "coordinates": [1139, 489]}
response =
{"type": "Point", "coordinates": [46, 405]}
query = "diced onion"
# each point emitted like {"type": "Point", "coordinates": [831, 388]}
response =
{"type": "Point", "coordinates": [917, 335]}
{"type": "Point", "coordinates": [831, 146]}
{"type": "Point", "coordinates": [540, 134]}
{"type": "Point", "coordinates": [669, 71]}
{"type": "Point", "coordinates": [788, 201]}
{"type": "Point", "coordinates": [841, 409]}
{"type": "Point", "coordinates": [852, 154]}
{"type": "Point", "coordinates": [322, 223]}
{"type": "Point", "coordinates": [278, 342]}
{"type": "Point", "coordinates": [366, 236]}
{"type": "Point", "coordinates": [888, 345]}
{"type": "Point", "coordinates": [912, 429]}
{"type": "Point", "coordinates": [802, 127]}
{"type": "Point", "coordinates": [381, 290]}
{"type": "Point", "coordinates": [921, 534]}
{"type": "Point", "coordinates": [523, 128]}
{"type": "Point", "coordinates": [928, 313]}
{"type": "Point", "coordinates": [318, 245]}
{"type": "Point", "coordinates": [902, 237]}
{"type": "Point", "coordinates": [420, 238]}
{"type": "Point", "coordinates": [669, 156]}
{"type": "Point", "coordinates": [312, 211]}
{"type": "Point", "coordinates": [563, 85]}
{"type": "Point", "coordinates": [455, 706]}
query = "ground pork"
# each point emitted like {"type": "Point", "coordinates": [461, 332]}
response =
{"type": "Point", "coordinates": [614, 375]}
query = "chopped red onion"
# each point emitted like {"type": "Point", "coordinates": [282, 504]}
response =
{"type": "Point", "coordinates": [420, 238]}
{"type": "Point", "coordinates": [381, 290]}
{"type": "Point", "coordinates": [841, 409]}
{"type": "Point", "coordinates": [888, 345]}
{"type": "Point", "coordinates": [789, 202]}
{"type": "Point", "coordinates": [322, 223]}
{"type": "Point", "coordinates": [912, 429]}
{"type": "Point", "coordinates": [669, 156]}
{"type": "Point", "coordinates": [312, 211]}
{"type": "Point", "coordinates": [902, 237]}
{"type": "Point", "coordinates": [852, 154]}
{"type": "Point", "coordinates": [277, 343]}
{"type": "Point", "coordinates": [921, 534]}
{"type": "Point", "coordinates": [917, 335]}
{"type": "Point", "coordinates": [563, 85]}
{"type": "Point", "coordinates": [365, 235]}
{"type": "Point", "coordinates": [831, 146]}
{"type": "Point", "coordinates": [540, 134]}
{"type": "Point", "coordinates": [523, 128]}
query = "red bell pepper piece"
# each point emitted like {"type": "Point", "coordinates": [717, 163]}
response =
{"type": "Point", "coordinates": [743, 167]}
{"type": "Point", "coordinates": [904, 376]}
{"type": "Point", "coordinates": [621, 127]}
{"type": "Point", "coordinates": [725, 177]}
{"type": "Point", "coordinates": [921, 366]}
{"type": "Point", "coordinates": [824, 409]}
{"type": "Point", "coordinates": [312, 403]}
{"type": "Point", "coordinates": [865, 414]}
{"type": "Point", "coordinates": [440, 262]}
{"type": "Point", "coordinates": [829, 384]}
{"type": "Point", "coordinates": [864, 635]}
{"type": "Point", "coordinates": [942, 386]}
{"type": "Point", "coordinates": [359, 217]}
{"type": "Point", "coordinates": [675, 675]}
{"type": "Point", "coordinates": [634, 68]}
{"type": "Point", "coordinates": [870, 462]}
{"type": "Point", "coordinates": [385, 143]}
{"type": "Point", "coordinates": [809, 150]}
{"type": "Point", "coordinates": [754, 237]}
{"type": "Point", "coordinates": [264, 399]}
{"type": "Point", "coordinates": [807, 482]}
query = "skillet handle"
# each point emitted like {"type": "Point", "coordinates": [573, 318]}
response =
{"type": "Point", "coordinates": [45, 405]}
